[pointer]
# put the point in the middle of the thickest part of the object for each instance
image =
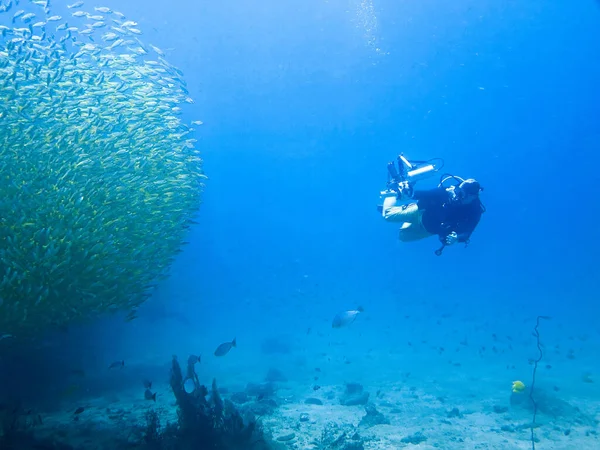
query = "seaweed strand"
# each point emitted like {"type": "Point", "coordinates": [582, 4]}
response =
{"type": "Point", "coordinates": [536, 333]}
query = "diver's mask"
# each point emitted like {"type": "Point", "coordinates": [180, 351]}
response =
{"type": "Point", "coordinates": [467, 191]}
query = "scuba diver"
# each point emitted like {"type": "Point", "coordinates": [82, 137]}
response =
{"type": "Point", "coordinates": [452, 213]}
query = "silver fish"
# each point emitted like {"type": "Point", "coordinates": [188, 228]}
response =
{"type": "Point", "coordinates": [344, 318]}
{"type": "Point", "coordinates": [224, 348]}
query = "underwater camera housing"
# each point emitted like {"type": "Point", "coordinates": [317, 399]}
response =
{"type": "Point", "coordinates": [408, 173]}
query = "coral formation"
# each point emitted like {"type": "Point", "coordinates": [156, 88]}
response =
{"type": "Point", "coordinates": [205, 420]}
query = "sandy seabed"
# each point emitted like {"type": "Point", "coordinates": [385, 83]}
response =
{"type": "Point", "coordinates": [399, 416]}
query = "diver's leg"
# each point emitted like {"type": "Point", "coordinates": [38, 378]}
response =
{"type": "Point", "coordinates": [405, 213]}
{"type": "Point", "coordinates": [408, 233]}
{"type": "Point", "coordinates": [413, 231]}
{"type": "Point", "coordinates": [388, 202]}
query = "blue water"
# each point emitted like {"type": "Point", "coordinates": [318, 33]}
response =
{"type": "Point", "coordinates": [303, 104]}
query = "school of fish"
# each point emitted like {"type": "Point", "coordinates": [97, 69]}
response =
{"type": "Point", "coordinates": [99, 175]}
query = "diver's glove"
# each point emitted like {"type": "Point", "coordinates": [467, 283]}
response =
{"type": "Point", "coordinates": [452, 238]}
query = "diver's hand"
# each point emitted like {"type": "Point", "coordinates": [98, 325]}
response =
{"type": "Point", "coordinates": [452, 238]}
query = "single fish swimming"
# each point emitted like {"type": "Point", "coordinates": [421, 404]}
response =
{"type": "Point", "coordinates": [224, 348]}
{"type": "Point", "coordinates": [344, 318]}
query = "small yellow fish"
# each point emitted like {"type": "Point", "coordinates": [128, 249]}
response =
{"type": "Point", "coordinates": [518, 387]}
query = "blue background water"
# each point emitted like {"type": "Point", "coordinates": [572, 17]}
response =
{"type": "Point", "coordinates": [304, 103]}
{"type": "Point", "coordinates": [302, 115]}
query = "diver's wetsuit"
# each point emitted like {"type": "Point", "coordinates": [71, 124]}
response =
{"type": "Point", "coordinates": [441, 216]}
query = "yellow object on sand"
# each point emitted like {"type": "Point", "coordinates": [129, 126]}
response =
{"type": "Point", "coordinates": [518, 387]}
